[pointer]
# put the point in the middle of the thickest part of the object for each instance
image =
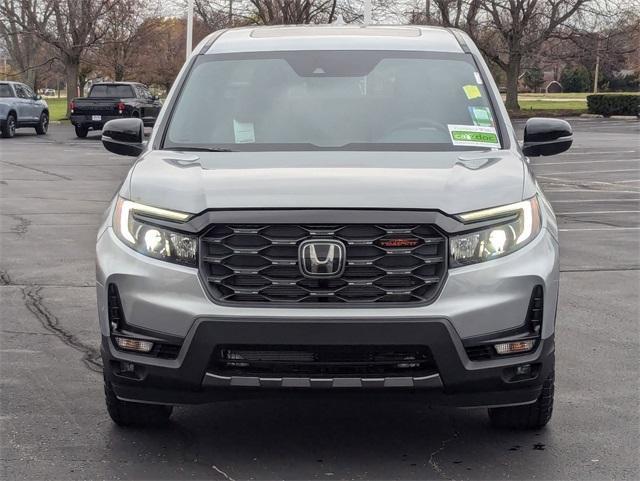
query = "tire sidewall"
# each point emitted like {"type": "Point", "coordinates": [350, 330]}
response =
{"type": "Point", "coordinates": [43, 126]}
{"type": "Point", "coordinates": [81, 131]}
{"type": "Point", "coordinates": [10, 129]}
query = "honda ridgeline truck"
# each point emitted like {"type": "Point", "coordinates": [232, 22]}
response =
{"type": "Point", "coordinates": [331, 210]}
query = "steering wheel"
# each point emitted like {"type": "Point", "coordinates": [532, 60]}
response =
{"type": "Point", "coordinates": [415, 124]}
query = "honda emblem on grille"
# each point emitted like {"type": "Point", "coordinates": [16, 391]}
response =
{"type": "Point", "coordinates": [322, 258]}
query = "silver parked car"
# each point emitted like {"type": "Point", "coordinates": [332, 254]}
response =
{"type": "Point", "coordinates": [21, 107]}
{"type": "Point", "coordinates": [331, 210]}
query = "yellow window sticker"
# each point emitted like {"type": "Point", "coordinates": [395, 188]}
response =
{"type": "Point", "coordinates": [472, 91]}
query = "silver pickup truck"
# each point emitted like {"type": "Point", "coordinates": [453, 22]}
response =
{"type": "Point", "coordinates": [21, 107]}
{"type": "Point", "coordinates": [331, 211]}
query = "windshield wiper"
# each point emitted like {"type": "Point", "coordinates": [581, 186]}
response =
{"type": "Point", "coordinates": [201, 149]}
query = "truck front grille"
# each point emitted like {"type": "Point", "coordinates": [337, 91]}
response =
{"type": "Point", "coordinates": [323, 361]}
{"type": "Point", "coordinates": [384, 263]}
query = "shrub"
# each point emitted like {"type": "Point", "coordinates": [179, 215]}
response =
{"type": "Point", "coordinates": [612, 104]}
{"type": "Point", "coordinates": [577, 79]}
{"type": "Point", "coordinates": [534, 78]}
{"type": "Point", "coordinates": [623, 82]}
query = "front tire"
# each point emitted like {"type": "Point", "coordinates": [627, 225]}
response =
{"type": "Point", "coordinates": [125, 413]}
{"type": "Point", "coordinates": [82, 131]}
{"type": "Point", "coordinates": [530, 416]}
{"type": "Point", "coordinates": [43, 124]}
{"type": "Point", "coordinates": [9, 128]}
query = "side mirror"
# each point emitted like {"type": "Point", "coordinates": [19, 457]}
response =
{"type": "Point", "coordinates": [544, 136]}
{"type": "Point", "coordinates": [37, 97]}
{"type": "Point", "coordinates": [124, 136]}
{"type": "Point", "coordinates": [154, 98]}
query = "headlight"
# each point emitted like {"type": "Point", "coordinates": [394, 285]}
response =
{"type": "Point", "coordinates": [152, 240]}
{"type": "Point", "coordinates": [520, 225]}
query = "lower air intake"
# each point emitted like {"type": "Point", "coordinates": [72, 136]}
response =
{"type": "Point", "coordinates": [323, 361]}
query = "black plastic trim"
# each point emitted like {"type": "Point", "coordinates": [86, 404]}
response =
{"type": "Point", "coordinates": [354, 305]}
{"type": "Point", "coordinates": [465, 383]}
{"type": "Point", "coordinates": [460, 39]}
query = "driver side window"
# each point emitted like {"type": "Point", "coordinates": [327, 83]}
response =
{"type": "Point", "coordinates": [29, 92]}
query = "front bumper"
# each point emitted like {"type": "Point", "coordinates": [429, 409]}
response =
{"type": "Point", "coordinates": [487, 300]}
{"type": "Point", "coordinates": [460, 382]}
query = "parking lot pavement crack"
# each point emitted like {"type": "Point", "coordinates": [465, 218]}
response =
{"type": "Point", "coordinates": [582, 220]}
{"type": "Point", "coordinates": [218, 470]}
{"type": "Point", "coordinates": [22, 227]}
{"type": "Point", "coordinates": [5, 279]}
{"type": "Point", "coordinates": [63, 177]}
{"type": "Point", "coordinates": [433, 461]}
{"type": "Point", "coordinates": [34, 302]}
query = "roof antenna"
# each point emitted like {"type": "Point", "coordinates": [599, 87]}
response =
{"type": "Point", "coordinates": [367, 12]}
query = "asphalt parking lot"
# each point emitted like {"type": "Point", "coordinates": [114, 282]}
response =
{"type": "Point", "coordinates": [53, 423]}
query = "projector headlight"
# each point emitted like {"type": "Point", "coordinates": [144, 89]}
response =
{"type": "Point", "coordinates": [152, 240]}
{"type": "Point", "coordinates": [516, 225]}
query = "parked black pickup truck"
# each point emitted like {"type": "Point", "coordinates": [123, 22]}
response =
{"type": "Point", "coordinates": [113, 100]}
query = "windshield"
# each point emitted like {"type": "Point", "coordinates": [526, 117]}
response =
{"type": "Point", "coordinates": [118, 91]}
{"type": "Point", "coordinates": [333, 100]}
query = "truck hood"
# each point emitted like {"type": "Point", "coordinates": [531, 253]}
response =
{"type": "Point", "coordinates": [451, 182]}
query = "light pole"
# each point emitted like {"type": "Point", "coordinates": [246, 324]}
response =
{"type": "Point", "coordinates": [597, 72]}
{"type": "Point", "coordinates": [367, 12]}
{"type": "Point", "coordinates": [189, 28]}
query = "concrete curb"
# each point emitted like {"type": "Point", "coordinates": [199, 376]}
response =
{"type": "Point", "coordinates": [591, 116]}
{"type": "Point", "coordinates": [624, 117]}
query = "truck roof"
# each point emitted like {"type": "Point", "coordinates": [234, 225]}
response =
{"type": "Point", "coordinates": [115, 83]}
{"type": "Point", "coordinates": [332, 37]}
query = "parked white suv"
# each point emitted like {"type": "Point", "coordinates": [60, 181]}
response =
{"type": "Point", "coordinates": [21, 107]}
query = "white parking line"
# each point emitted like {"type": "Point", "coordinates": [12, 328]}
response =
{"type": "Point", "coordinates": [591, 172]}
{"type": "Point", "coordinates": [578, 201]}
{"type": "Point", "coordinates": [587, 162]}
{"type": "Point", "coordinates": [598, 153]}
{"type": "Point", "coordinates": [599, 212]}
{"type": "Point", "coordinates": [590, 191]}
{"type": "Point", "coordinates": [598, 229]}
{"type": "Point", "coordinates": [626, 181]}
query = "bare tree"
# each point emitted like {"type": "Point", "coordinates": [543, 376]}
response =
{"type": "Point", "coordinates": [507, 31]}
{"type": "Point", "coordinates": [70, 26]}
{"type": "Point", "coordinates": [127, 25]}
{"type": "Point", "coordinates": [215, 14]}
{"type": "Point", "coordinates": [609, 40]}
{"type": "Point", "coordinates": [161, 55]}
{"type": "Point", "coordinates": [21, 46]}
{"type": "Point", "coordinates": [274, 12]}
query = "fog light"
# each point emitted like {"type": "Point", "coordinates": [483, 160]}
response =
{"type": "Point", "coordinates": [127, 367]}
{"type": "Point", "coordinates": [514, 347]}
{"type": "Point", "coordinates": [134, 344]}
